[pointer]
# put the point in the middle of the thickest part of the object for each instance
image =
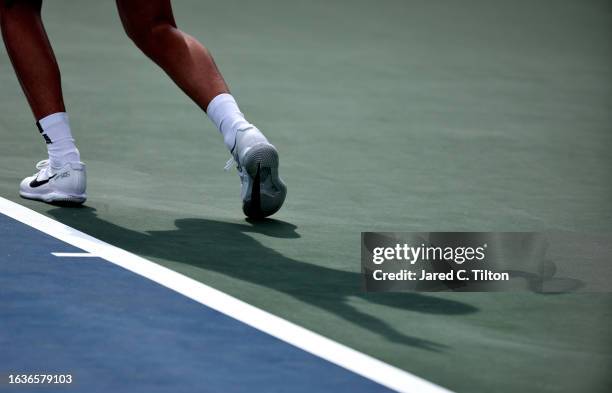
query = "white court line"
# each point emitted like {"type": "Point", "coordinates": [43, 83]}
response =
{"type": "Point", "coordinates": [74, 254]}
{"type": "Point", "coordinates": [350, 359]}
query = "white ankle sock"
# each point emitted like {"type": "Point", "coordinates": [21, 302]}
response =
{"type": "Point", "coordinates": [224, 112]}
{"type": "Point", "coordinates": [55, 129]}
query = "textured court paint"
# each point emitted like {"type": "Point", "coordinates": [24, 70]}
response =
{"type": "Point", "coordinates": [114, 330]}
{"type": "Point", "coordinates": [389, 116]}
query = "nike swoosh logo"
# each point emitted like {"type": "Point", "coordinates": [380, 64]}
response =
{"type": "Point", "coordinates": [35, 183]}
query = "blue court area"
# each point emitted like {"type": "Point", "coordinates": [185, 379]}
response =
{"type": "Point", "coordinates": [115, 331]}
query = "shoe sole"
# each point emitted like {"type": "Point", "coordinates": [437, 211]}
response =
{"type": "Point", "coordinates": [56, 197]}
{"type": "Point", "coordinates": [268, 191]}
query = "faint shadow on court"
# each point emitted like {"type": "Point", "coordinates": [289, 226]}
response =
{"type": "Point", "coordinates": [227, 248]}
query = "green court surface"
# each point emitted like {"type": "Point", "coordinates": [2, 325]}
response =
{"type": "Point", "coordinates": [389, 116]}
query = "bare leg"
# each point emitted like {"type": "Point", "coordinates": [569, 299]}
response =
{"type": "Point", "coordinates": [32, 56]}
{"type": "Point", "coordinates": [150, 24]}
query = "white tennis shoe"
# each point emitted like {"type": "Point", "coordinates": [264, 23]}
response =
{"type": "Point", "coordinates": [51, 185]}
{"type": "Point", "coordinates": [262, 190]}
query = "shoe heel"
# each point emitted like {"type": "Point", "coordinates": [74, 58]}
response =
{"type": "Point", "coordinates": [269, 191]}
{"type": "Point", "coordinates": [260, 156]}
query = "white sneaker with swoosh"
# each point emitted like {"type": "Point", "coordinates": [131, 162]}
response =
{"type": "Point", "coordinates": [51, 185]}
{"type": "Point", "coordinates": [262, 190]}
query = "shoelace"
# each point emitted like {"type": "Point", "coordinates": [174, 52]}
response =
{"type": "Point", "coordinates": [229, 164]}
{"type": "Point", "coordinates": [42, 164]}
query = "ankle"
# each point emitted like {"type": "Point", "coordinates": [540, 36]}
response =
{"type": "Point", "coordinates": [58, 159]}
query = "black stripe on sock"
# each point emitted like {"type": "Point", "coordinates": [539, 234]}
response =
{"type": "Point", "coordinates": [40, 129]}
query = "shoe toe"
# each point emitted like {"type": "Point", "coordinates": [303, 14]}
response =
{"type": "Point", "coordinates": [25, 183]}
